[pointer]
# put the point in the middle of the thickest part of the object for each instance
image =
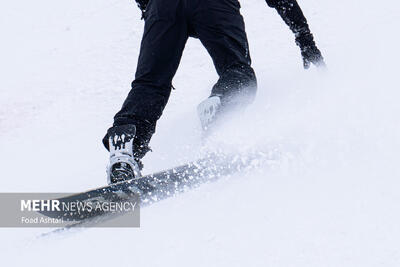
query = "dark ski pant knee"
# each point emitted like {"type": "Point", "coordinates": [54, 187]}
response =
{"type": "Point", "coordinates": [168, 24]}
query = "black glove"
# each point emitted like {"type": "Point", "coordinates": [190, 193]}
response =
{"type": "Point", "coordinates": [309, 50]}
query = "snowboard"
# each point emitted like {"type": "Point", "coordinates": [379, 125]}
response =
{"type": "Point", "coordinates": [158, 186]}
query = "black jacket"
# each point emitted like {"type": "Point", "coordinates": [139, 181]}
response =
{"type": "Point", "coordinates": [289, 10]}
{"type": "Point", "coordinates": [291, 13]}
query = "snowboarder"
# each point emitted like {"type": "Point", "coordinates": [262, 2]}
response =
{"type": "Point", "coordinates": [168, 24]}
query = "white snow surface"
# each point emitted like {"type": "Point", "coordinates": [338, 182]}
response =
{"type": "Point", "coordinates": [333, 199]}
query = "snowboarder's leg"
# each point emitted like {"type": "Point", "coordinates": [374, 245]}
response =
{"type": "Point", "coordinates": [220, 27]}
{"type": "Point", "coordinates": [164, 38]}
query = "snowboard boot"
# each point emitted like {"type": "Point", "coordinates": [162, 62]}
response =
{"type": "Point", "coordinates": [208, 110]}
{"type": "Point", "coordinates": [217, 110]}
{"type": "Point", "coordinates": [123, 164]}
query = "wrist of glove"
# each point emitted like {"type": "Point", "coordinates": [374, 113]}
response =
{"type": "Point", "coordinates": [309, 51]}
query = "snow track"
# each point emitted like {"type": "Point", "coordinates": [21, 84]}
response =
{"type": "Point", "coordinates": [66, 67]}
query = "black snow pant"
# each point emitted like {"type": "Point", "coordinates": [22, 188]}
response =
{"type": "Point", "coordinates": [168, 24]}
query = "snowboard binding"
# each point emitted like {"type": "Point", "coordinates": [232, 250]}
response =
{"type": "Point", "coordinates": [123, 165]}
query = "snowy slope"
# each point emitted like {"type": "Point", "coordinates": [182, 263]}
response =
{"type": "Point", "coordinates": [66, 67]}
